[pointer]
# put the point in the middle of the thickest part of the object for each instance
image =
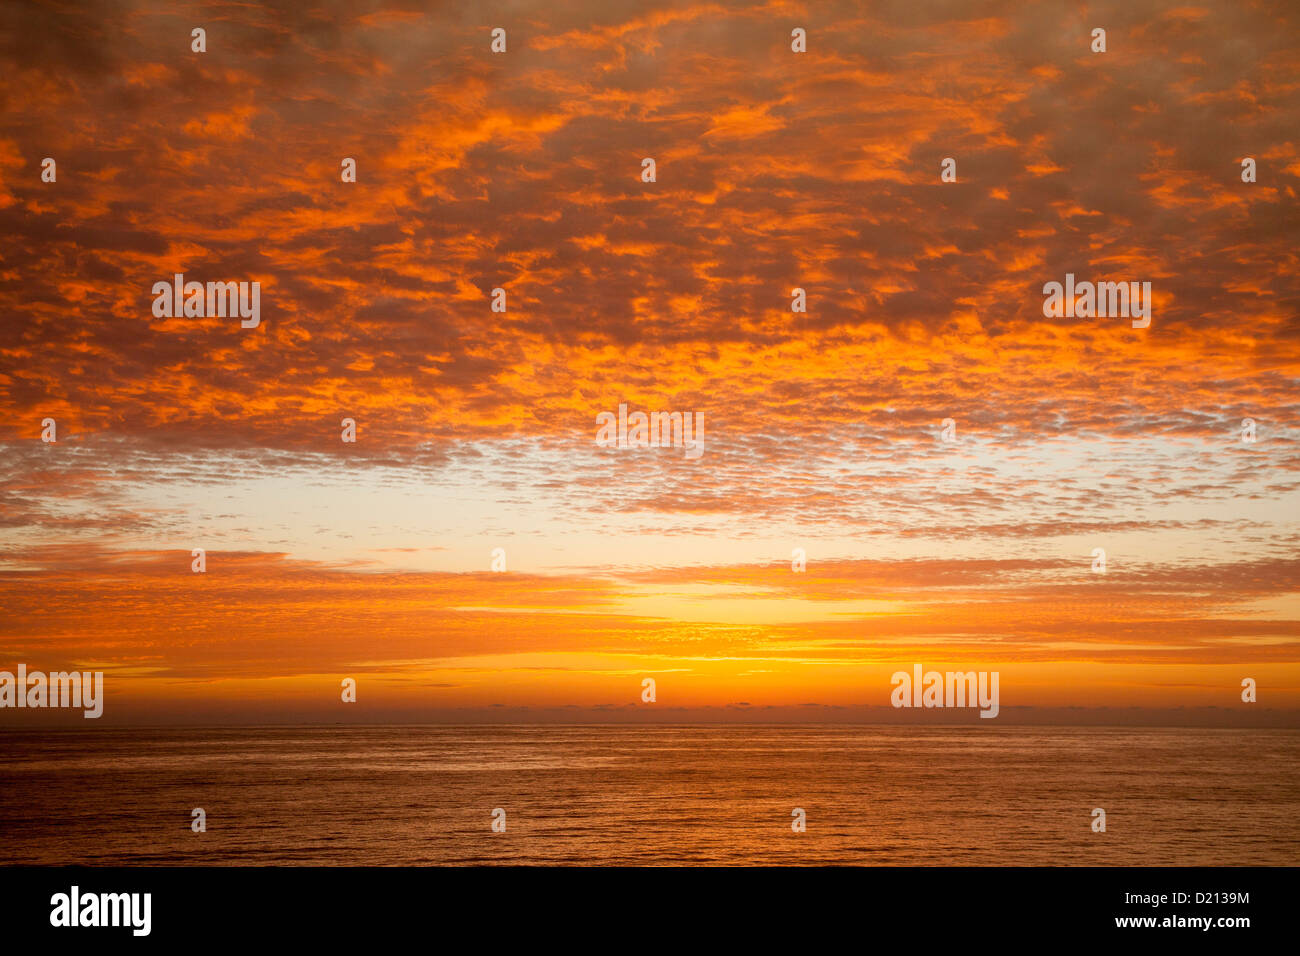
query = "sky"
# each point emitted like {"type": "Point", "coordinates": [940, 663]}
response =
{"type": "Point", "coordinates": [822, 430]}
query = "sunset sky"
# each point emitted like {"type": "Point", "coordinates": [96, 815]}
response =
{"type": "Point", "coordinates": [476, 429]}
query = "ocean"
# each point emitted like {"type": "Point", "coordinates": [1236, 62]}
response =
{"type": "Point", "coordinates": [651, 795]}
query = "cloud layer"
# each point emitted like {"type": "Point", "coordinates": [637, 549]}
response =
{"type": "Point", "coordinates": [775, 171]}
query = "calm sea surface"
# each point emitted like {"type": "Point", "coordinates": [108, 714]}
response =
{"type": "Point", "coordinates": [651, 795]}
